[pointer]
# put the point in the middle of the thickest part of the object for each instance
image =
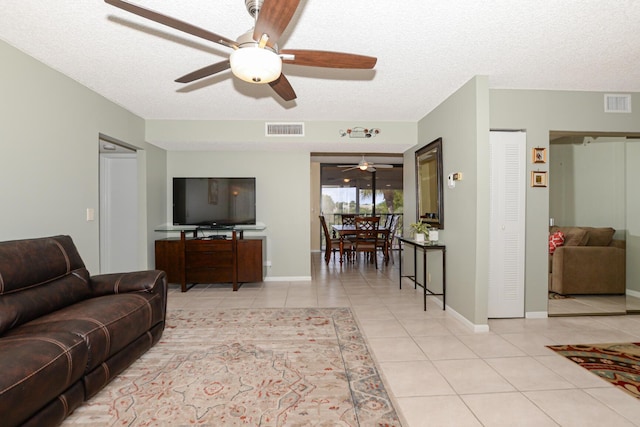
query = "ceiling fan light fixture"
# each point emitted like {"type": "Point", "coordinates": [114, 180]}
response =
{"type": "Point", "coordinates": [255, 65]}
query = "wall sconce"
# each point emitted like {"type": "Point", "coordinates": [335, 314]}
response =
{"type": "Point", "coordinates": [360, 132]}
{"type": "Point", "coordinates": [452, 178]}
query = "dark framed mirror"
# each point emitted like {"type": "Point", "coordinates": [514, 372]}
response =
{"type": "Point", "coordinates": [430, 208]}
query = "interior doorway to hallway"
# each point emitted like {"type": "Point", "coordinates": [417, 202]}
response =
{"type": "Point", "coordinates": [118, 211]}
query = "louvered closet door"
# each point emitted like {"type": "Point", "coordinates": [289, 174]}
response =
{"type": "Point", "coordinates": [507, 224]}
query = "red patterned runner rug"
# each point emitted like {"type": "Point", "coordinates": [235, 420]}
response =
{"type": "Point", "coordinates": [248, 367]}
{"type": "Point", "coordinates": [618, 363]}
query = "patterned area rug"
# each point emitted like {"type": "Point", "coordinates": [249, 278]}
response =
{"type": "Point", "coordinates": [617, 363]}
{"type": "Point", "coordinates": [248, 367]}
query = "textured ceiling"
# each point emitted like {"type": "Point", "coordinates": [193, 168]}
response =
{"type": "Point", "coordinates": [425, 49]}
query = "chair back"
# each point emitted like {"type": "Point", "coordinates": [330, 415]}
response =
{"type": "Point", "coordinates": [325, 229]}
{"type": "Point", "coordinates": [367, 227]}
{"type": "Point", "coordinates": [393, 226]}
{"type": "Point", "coordinates": [367, 236]}
{"type": "Point", "coordinates": [348, 219]}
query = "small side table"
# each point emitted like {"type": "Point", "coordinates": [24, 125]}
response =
{"type": "Point", "coordinates": [424, 247]}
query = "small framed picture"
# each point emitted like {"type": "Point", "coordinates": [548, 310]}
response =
{"type": "Point", "coordinates": [538, 179]}
{"type": "Point", "coordinates": [539, 155]}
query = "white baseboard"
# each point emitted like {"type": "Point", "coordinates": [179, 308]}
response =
{"type": "Point", "coordinates": [633, 293]}
{"type": "Point", "coordinates": [536, 315]}
{"type": "Point", "coordinates": [472, 326]}
{"type": "Point", "coordinates": [288, 279]}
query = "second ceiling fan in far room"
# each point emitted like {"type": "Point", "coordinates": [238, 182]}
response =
{"type": "Point", "coordinates": [256, 57]}
{"type": "Point", "coordinates": [365, 165]}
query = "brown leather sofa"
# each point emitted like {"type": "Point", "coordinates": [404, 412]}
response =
{"type": "Point", "coordinates": [65, 334]}
{"type": "Point", "coordinates": [590, 261]}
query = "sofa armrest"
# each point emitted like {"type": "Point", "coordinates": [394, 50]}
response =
{"type": "Point", "coordinates": [154, 281]}
{"type": "Point", "coordinates": [588, 270]}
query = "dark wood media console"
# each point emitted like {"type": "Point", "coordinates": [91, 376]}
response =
{"type": "Point", "coordinates": [189, 261]}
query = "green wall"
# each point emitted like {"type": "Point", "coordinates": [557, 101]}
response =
{"type": "Point", "coordinates": [282, 203]}
{"type": "Point", "coordinates": [179, 135]}
{"type": "Point", "coordinates": [282, 169]}
{"type": "Point", "coordinates": [539, 112]}
{"type": "Point", "coordinates": [462, 121]}
{"type": "Point", "coordinates": [49, 130]}
{"type": "Point", "coordinates": [50, 124]}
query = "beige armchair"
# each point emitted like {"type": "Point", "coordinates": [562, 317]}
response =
{"type": "Point", "coordinates": [589, 262]}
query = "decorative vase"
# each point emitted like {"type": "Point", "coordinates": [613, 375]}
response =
{"type": "Point", "coordinates": [419, 237]}
{"type": "Point", "coordinates": [433, 235]}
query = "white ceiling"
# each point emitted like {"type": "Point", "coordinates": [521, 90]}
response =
{"type": "Point", "coordinates": [425, 49]}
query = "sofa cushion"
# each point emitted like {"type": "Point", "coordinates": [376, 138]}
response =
{"type": "Point", "coordinates": [601, 236]}
{"type": "Point", "coordinates": [555, 240]}
{"type": "Point", "coordinates": [106, 324]}
{"type": "Point", "coordinates": [573, 236]}
{"type": "Point", "coordinates": [33, 262]}
{"type": "Point", "coordinates": [39, 276]}
{"type": "Point", "coordinates": [21, 307]}
{"type": "Point", "coordinates": [36, 369]}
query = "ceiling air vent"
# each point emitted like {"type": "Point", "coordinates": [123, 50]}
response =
{"type": "Point", "coordinates": [616, 103]}
{"type": "Point", "coordinates": [284, 129]}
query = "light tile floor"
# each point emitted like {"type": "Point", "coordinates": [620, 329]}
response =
{"type": "Point", "coordinates": [440, 373]}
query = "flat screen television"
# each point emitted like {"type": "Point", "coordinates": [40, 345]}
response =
{"type": "Point", "coordinates": [214, 201]}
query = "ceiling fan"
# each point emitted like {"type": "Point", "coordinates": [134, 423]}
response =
{"type": "Point", "coordinates": [365, 165]}
{"type": "Point", "coordinates": [256, 58]}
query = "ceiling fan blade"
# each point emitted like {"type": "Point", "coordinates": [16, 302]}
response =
{"type": "Point", "coordinates": [172, 22]}
{"type": "Point", "coordinates": [370, 169]}
{"type": "Point", "coordinates": [347, 166]}
{"type": "Point", "coordinates": [351, 168]}
{"type": "Point", "coordinates": [207, 71]}
{"type": "Point", "coordinates": [283, 88]}
{"type": "Point", "coordinates": [321, 58]}
{"type": "Point", "coordinates": [382, 166]}
{"type": "Point", "coordinates": [273, 18]}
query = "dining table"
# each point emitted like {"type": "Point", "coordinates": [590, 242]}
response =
{"type": "Point", "coordinates": [344, 231]}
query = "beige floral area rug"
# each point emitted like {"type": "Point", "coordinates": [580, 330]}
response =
{"type": "Point", "coordinates": [248, 367]}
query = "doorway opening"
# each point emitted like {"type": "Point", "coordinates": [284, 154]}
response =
{"type": "Point", "coordinates": [361, 192]}
{"type": "Point", "coordinates": [118, 209]}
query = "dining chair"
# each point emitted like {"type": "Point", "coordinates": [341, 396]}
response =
{"type": "Point", "coordinates": [383, 238]}
{"type": "Point", "coordinates": [349, 219]}
{"type": "Point", "coordinates": [387, 244]}
{"type": "Point", "coordinates": [366, 238]}
{"type": "Point", "coordinates": [332, 245]}
{"type": "Point", "coordinates": [387, 220]}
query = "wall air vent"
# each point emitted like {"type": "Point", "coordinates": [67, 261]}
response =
{"type": "Point", "coordinates": [617, 103]}
{"type": "Point", "coordinates": [284, 129]}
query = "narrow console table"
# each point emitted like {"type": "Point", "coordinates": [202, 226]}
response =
{"type": "Point", "coordinates": [221, 259]}
{"type": "Point", "coordinates": [424, 247]}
